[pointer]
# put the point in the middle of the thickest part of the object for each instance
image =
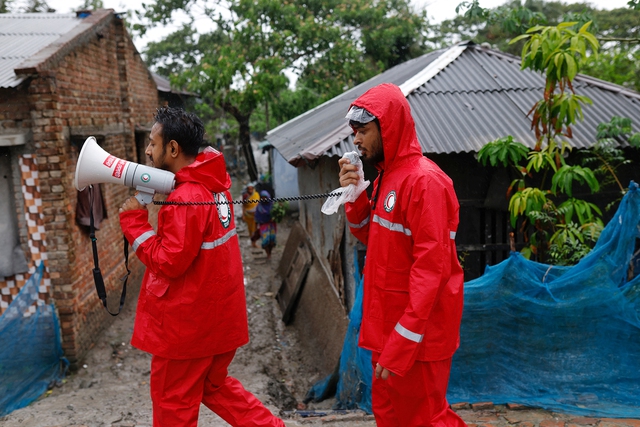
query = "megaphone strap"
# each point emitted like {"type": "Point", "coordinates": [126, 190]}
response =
{"type": "Point", "coordinates": [97, 274]}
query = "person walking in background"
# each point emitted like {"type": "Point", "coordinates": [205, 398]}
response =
{"type": "Point", "coordinates": [413, 282]}
{"type": "Point", "coordinates": [249, 210]}
{"type": "Point", "coordinates": [266, 226]}
{"type": "Point", "coordinates": [191, 314]}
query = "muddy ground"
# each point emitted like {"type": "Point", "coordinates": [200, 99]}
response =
{"type": "Point", "coordinates": [112, 387]}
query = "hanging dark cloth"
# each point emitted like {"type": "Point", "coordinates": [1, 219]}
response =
{"type": "Point", "coordinates": [83, 208]}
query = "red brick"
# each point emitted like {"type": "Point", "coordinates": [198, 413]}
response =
{"type": "Point", "coordinates": [460, 406]}
{"type": "Point", "coordinates": [516, 406]}
{"type": "Point", "coordinates": [629, 422]}
{"type": "Point", "coordinates": [512, 419]}
{"type": "Point", "coordinates": [584, 421]}
{"type": "Point", "coordinates": [482, 406]}
{"type": "Point", "coordinates": [487, 418]}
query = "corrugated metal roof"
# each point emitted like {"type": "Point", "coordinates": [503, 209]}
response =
{"type": "Point", "coordinates": [23, 35]}
{"type": "Point", "coordinates": [313, 133]}
{"type": "Point", "coordinates": [164, 85]}
{"type": "Point", "coordinates": [480, 96]}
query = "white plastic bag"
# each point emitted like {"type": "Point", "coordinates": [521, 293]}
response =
{"type": "Point", "coordinates": [349, 193]}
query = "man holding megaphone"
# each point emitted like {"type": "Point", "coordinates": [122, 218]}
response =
{"type": "Point", "coordinates": [191, 313]}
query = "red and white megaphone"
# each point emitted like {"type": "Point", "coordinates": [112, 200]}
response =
{"type": "Point", "coordinates": [96, 166]}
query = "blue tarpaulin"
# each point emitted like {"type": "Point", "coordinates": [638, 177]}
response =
{"type": "Point", "coordinates": [565, 339]}
{"type": "Point", "coordinates": [560, 338]}
{"type": "Point", "coordinates": [31, 357]}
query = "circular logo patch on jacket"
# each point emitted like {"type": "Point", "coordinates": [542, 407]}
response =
{"type": "Point", "coordinates": [224, 211]}
{"type": "Point", "coordinates": [390, 201]}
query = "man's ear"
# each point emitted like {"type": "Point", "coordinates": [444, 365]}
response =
{"type": "Point", "coordinates": [174, 148]}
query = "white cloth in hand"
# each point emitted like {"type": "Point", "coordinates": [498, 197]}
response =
{"type": "Point", "coordinates": [349, 193]}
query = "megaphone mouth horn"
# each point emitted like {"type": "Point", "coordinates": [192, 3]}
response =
{"type": "Point", "coordinates": [82, 159]}
{"type": "Point", "coordinates": [96, 166]}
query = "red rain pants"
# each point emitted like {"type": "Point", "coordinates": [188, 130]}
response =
{"type": "Point", "coordinates": [179, 386]}
{"type": "Point", "coordinates": [416, 400]}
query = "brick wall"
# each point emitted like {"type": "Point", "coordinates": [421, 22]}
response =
{"type": "Point", "coordinates": [102, 88]}
{"type": "Point", "coordinates": [15, 118]}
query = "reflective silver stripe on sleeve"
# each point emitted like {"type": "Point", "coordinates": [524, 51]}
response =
{"type": "Point", "coordinates": [391, 225]}
{"type": "Point", "coordinates": [362, 224]}
{"type": "Point", "coordinates": [220, 241]}
{"type": "Point", "coordinates": [452, 235]}
{"type": "Point", "coordinates": [141, 239]}
{"type": "Point", "coordinates": [412, 336]}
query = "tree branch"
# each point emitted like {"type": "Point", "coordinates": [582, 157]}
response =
{"type": "Point", "coordinates": [619, 39]}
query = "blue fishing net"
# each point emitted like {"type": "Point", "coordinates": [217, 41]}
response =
{"type": "Point", "coordinates": [565, 339]}
{"type": "Point", "coordinates": [561, 338]}
{"type": "Point", "coordinates": [31, 358]}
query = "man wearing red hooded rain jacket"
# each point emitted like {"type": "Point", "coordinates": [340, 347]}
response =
{"type": "Point", "coordinates": [413, 282]}
{"type": "Point", "coordinates": [191, 313]}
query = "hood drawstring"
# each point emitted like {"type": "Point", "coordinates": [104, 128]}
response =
{"type": "Point", "coordinates": [375, 198]}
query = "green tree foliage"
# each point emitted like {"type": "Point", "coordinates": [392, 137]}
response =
{"type": "Point", "coordinates": [559, 227]}
{"type": "Point", "coordinates": [244, 64]}
{"type": "Point", "coordinates": [92, 4]}
{"type": "Point", "coordinates": [5, 6]}
{"type": "Point", "coordinates": [619, 65]}
{"type": "Point", "coordinates": [619, 62]}
{"type": "Point", "coordinates": [606, 156]}
{"type": "Point", "coordinates": [617, 30]}
{"type": "Point", "coordinates": [557, 52]}
{"type": "Point", "coordinates": [29, 6]}
{"type": "Point", "coordinates": [497, 26]}
{"type": "Point", "coordinates": [180, 50]}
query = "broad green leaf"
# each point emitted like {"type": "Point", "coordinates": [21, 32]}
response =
{"type": "Point", "coordinates": [572, 68]}
{"type": "Point", "coordinates": [520, 37]}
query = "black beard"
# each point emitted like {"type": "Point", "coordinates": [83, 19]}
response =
{"type": "Point", "coordinates": [375, 159]}
{"type": "Point", "coordinates": [162, 165]}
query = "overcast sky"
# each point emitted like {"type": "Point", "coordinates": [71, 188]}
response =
{"type": "Point", "coordinates": [437, 10]}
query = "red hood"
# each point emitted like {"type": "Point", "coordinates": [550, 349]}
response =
{"type": "Point", "coordinates": [399, 139]}
{"type": "Point", "coordinates": [209, 169]}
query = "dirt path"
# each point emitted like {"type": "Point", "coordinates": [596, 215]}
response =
{"type": "Point", "coordinates": [112, 388]}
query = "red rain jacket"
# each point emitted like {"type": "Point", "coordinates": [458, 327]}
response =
{"type": "Point", "coordinates": [192, 301]}
{"type": "Point", "coordinates": [413, 282]}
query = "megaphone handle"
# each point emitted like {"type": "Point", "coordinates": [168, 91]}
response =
{"type": "Point", "coordinates": [144, 197]}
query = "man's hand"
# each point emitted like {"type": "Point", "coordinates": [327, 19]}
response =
{"type": "Point", "coordinates": [381, 372]}
{"type": "Point", "coordinates": [348, 174]}
{"type": "Point", "coordinates": [131, 204]}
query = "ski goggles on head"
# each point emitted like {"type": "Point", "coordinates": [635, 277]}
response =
{"type": "Point", "coordinates": [360, 115]}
